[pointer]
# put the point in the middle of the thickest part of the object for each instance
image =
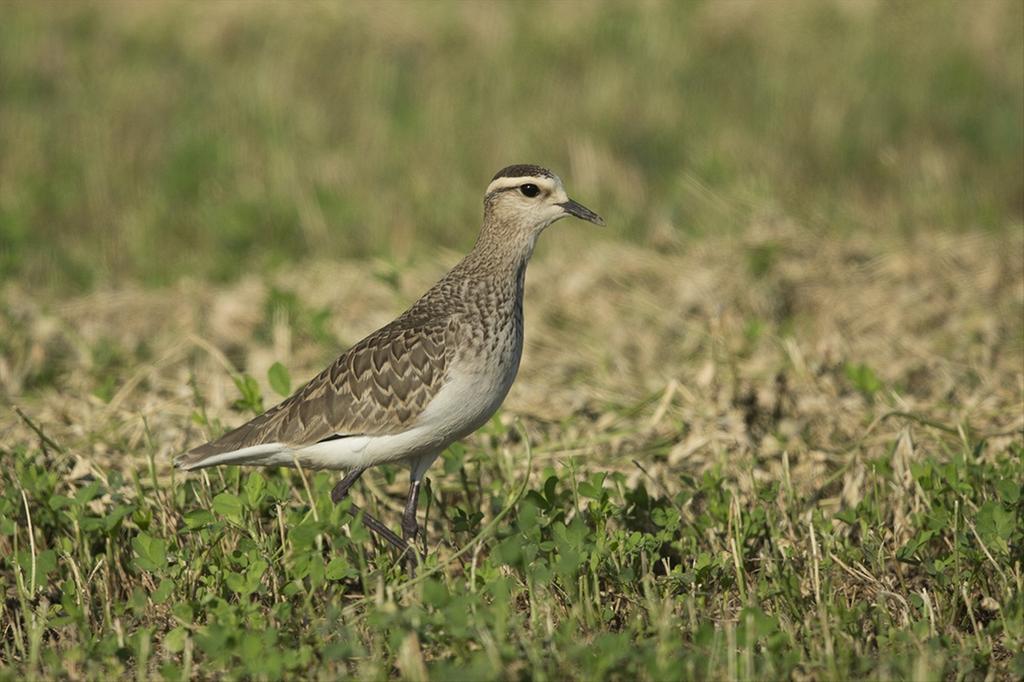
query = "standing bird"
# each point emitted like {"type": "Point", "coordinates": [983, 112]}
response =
{"type": "Point", "coordinates": [432, 376]}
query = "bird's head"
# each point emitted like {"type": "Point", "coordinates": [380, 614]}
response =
{"type": "Point", "coordinates": [528, 198]}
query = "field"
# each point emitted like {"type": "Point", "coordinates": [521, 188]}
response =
{"type": "Point", "coordinates": [769, 422]}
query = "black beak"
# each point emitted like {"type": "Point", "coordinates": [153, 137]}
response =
{"type": "Point", "coordinates": [580, 211]}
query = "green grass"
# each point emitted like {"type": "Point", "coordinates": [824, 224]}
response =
{"type": "Point", "coordinates": [738, 494]}
{"type": "Point", "coordinates": [769, 421]}
{"type": "Point", "coordinates": [150, 141]}
{"type": "Point", "coordinates": [587, 577]}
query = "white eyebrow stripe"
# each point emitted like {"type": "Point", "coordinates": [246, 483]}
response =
{"type": "Point", "coordinates": [510, 183]}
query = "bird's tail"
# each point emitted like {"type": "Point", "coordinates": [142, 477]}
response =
{"type": "Point", "coordinates": [209, 455]}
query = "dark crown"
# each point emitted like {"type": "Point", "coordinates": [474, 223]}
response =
{"type": "Point", "coordinates": [523, 170]}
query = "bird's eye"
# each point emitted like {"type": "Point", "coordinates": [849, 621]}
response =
{"type": "Point", "coordinates": [530, 190]}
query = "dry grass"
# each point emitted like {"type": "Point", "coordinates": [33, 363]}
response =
{"type": "Point", "coordinates": [805, 379]}
{"type": "Point", "coordinates": [769, 424]}
{"type": "Point", "coordinates": [736, 349]}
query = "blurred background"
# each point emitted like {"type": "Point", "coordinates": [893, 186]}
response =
{"type": "Point", "coordinates": [141, 142]}
{"type": "Point", "coordinates": [786, 377]}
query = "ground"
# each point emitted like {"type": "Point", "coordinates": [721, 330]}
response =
{"type": "Point", "coordinates": [769, 421]}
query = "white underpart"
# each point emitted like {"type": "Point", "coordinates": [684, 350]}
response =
{"type": "Point", "coordinates": [463, 405]}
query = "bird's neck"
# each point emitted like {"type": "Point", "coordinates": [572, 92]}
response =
{"type": "Point", "coordinates": [500, 254]}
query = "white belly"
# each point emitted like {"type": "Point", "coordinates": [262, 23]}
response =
{"type": "Point", "coordinates": [467, 401]}
{"type": "Point", "coordinates": [476, 385]}
{"type": "Point", "coordinates": [463, 405]}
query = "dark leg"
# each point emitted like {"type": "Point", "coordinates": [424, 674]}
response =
{"type": "Point", "coordinates": [380, 529]}
{"type": "Point", "coordinates": [417, 469]}
{"type": "Point", "coordinates": [340, 490]}
{"type": "Point", "coordinates": [409, 525]}
{"type": "Point", "coordinates": [370, 521]}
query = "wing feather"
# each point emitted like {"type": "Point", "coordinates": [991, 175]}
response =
{"type": "Point", "coordinates": [377, 387]}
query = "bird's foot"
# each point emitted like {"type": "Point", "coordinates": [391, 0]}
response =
{"type": "Point", "coordinates": [406, 544]}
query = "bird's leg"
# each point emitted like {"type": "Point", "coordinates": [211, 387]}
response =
{"type": "Point", "coordinates": [380, 529]}
{"type": "Point", "coordinates": [409, 525]}
{"type": "Point", "coordinates": [341, 491]}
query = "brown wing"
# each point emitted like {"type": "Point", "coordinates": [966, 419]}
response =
{"type": "Point", "coordinates": [377, 387]}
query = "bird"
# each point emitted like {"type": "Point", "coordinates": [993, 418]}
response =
{"type": "Point", "coordinates": [429, 378]}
